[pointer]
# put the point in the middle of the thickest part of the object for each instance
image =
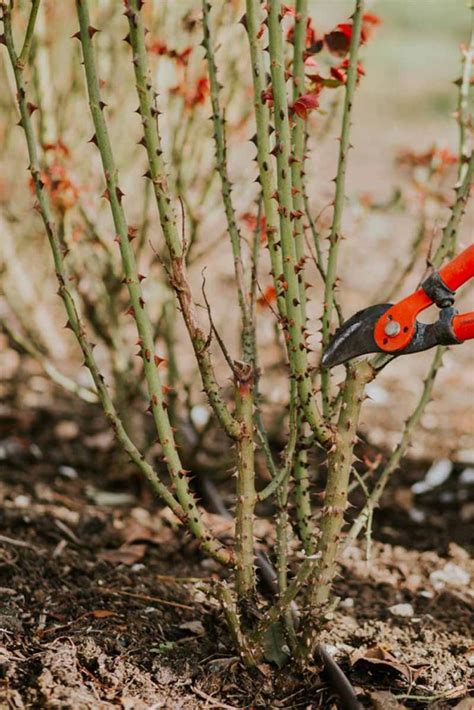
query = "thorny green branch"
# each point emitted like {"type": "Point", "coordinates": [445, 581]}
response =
{"type": "Point", "coordinates": [246, 496]}
{"type": "Point", "coordinates": [251, 21]}
{"type": "Point", "coordinates": [158, 176]}
{"type": "Point", "coordinates": [44, 207]}
{"type": "Point", "coordinates": [300, 473]}
{"type": "Point", "coordinates": [138, 305]}
{"type": "Point", "coordinates": [463, 112]}
{"type": "Point", "coordinates": [297, 346]}
{"type": "Point", "coordinates": [411, 423]}
{"type": "Point", "coordinates": [24, 55]}
{"type": "Point", "coordinates": [335, 235]}
{"type": "Point", "coordinates": [243, 290]}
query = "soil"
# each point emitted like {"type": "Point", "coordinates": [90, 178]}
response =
{"type": "Point", "coordinates": [106, 603]}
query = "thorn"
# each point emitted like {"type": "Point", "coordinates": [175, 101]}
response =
{"type": "Point", "coordinates": [92, 31]}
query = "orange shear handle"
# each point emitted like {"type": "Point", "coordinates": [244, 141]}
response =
{"type": "Point", "coordinates": [463, 326]}
{"type": "Point", "coordinates": [396, 328]}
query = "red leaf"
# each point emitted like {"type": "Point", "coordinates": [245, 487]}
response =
{"type": "Point", "coordinates": [345, 66]}
{"type": "Point", "coordinates": [287, 10]}
{"type": "Point", "coordinates": [305, 103]}
{"type": "Point", "coordinates": [338, 42]}
{"type": "Point", "coordinates": [267, 96]}
{"type": "Point", "coordinates": [371, 18]}
{"type": "Point", "coordinates": [338, 74]}
{"type": "Point", "coordinates": [268, 297]}
{"type": "Point", "coordinates": [346, 29]}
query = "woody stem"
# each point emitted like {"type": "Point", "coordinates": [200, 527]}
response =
{"type": "Point", "coordinates": [335, 235]}
{"type": "Point", "coordinates": [138, 305]}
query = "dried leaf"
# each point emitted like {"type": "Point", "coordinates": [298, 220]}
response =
{"type": "Point", "coordinates": [275, 647]}
{"type": "Point", "coordinates": [378, 658]}
{"type": "Point", "coordinates": [136, 532]}
{"type": "Point", "coordinates": [384, 700]}
{"type": "Point", "coordinates": [102, 613]}
{"type": "Point", "coordinates": [126, 555]}
{"type": "Point", "coordinates": [195, 627]}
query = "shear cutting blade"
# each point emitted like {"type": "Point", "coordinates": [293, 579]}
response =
{"type": "Point", "coordinates": [355, 337]}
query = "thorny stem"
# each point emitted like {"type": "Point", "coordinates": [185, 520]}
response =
{"type": "Point", "coordinates": [74, 323]}
{"type": "Point", "coordinates": [283, 521]}
{"type": "Point", "coordinates": [304, 573]}
{"type": "Point", "coordinates": [297, 346]}
{"type": "Point", "coordinates": [229, 607]}
{"type": "Point", "coordinates": [24, 55]}
{"type": "Point", "coordinates": [299, 141]}
{"type": "Point", "coordinates": [303, 501]}
{"type": "Point", "coordinates": [44, 87]}
{"type": "Point", "coordinates": [138, 305]}
{"type": "Point", "coordinates": [300, 473]}
{"type": "Point", "coordinates": [411, 423]}
{"type": "Point", "coordinates": [448, 242]}
{"type": "Point", "coordinates": [221, 158]}
{"type": "Point", "coordinates": [264, 158]}
{"type": "Point", "coordinates": [335, 235]}
{"type": "Point", "coordinates": [463, 112]}
{"type": "Point", "coordinates": [245, 491]}
{"type": "Point", "coordinates": [246, 496]}
{"type": "Point", "coordinates": [335, 498]}
{"type": "Point", "coordinates": [158, 176]}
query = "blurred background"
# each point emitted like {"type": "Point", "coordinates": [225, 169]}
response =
{"type": "Point", "coordinates": [401, 174]}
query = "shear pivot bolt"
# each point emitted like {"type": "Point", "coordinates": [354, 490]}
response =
{"type": "Point", "coordinates": [392, 328]}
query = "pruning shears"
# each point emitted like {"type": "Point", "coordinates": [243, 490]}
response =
{"type": "Point", "coordinates": [393, 329]}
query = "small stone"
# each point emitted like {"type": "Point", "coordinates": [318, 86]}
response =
{"type": "Point", "coordinates": [451, 575]}
{"type": "Point", "coordinates": [347, 603]}
{"type": "Point", "coordinates": [68, 472]}
{"type": "Point", "coordinates": [405, 610]}
{"type": "Point", "coordinates": [467, 476]}
{"type": "Point", "coordinates": [22, 501]}
{"type": "Point", "coordinates": [426, 594]}
{"type": "Point", "coordinates": [417, 515]}
{"type": "Point", "coordinates": [66, 429]}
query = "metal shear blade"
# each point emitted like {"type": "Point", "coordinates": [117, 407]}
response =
{"type": "Point", "coordinates": [355, 337]}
